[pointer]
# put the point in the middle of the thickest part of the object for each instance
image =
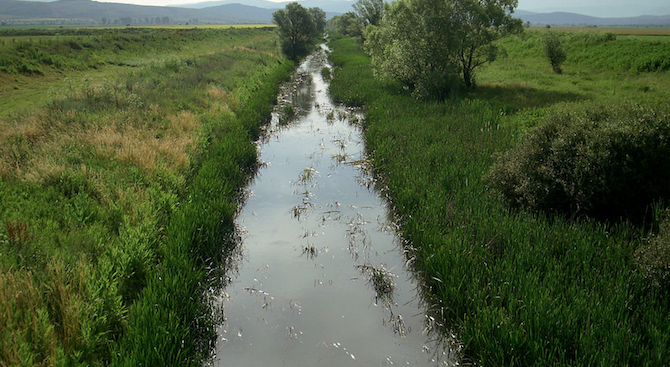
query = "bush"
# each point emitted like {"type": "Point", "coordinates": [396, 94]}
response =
{"type": "Point", "coordinates": [608, 163]}
{"type": "Point", "coordinates": [653, 258]}
{"type": "Point", "coordinates": [554, 51]}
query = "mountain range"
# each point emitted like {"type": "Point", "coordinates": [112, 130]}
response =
{"type": "Point", "coordinates": [87, 12]}
{"type": "Point", "coordinates": [573, 19]}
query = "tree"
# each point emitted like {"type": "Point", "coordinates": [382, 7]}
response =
{"type": "Point", "coordinates": [297, 30]}
{"type": "Point", "coordinates": [319, 18]}
{"type": "Point", "coordinates": [481, 23]}
{"type": "Point", "coordinates": [428, 45]}
{"type": "Point", "coordinates": [371, 11]}
{"type": "Point", "coordinates": [349, 24]}
{"type": "Point", "coordinates": [554, 51]}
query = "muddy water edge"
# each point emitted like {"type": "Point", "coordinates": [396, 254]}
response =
{"type": "Point", "coordinates": [319, 278]}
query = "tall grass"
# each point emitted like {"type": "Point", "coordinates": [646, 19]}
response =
{"type": "Point", "coordinates": [198, 238]}
{"type": "Point", "coordinates": [117, 197]}
{"type": "Point", "coordinates": [35, 51]}
{"type": "Point", "coordinates": [515, 287]}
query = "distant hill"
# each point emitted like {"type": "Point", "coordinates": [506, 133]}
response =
{"type": "Point", "coordinates": [14, 12]}
{"type": "Point", "coordinates": [573, 19]}
{"type": "Point", "coordinates": [329, 6]}
{"type": "Point", "coordinates": [86, 12]}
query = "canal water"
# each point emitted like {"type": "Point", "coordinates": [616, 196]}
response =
{"type": "Point", "coordinates": [321, 279]}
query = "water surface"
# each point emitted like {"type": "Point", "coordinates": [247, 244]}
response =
{"type": "Point", "coordinates": [322, 279]}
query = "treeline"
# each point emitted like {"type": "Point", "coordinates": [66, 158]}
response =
{"type": "Point", "coordinates": [122, 21]}
{"type": "Point", "coordinates": [143, 21]}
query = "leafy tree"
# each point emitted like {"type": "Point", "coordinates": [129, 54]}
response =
{"type": "Point", "coordinates": [482, 22]}
{"type": "Point", "coordinates": [319, 17]}
{"type": "Point", "coordinates": [428, 44]}
{"type": "Point", "coordinates": [371, 11]}
{"type": "Point", "coordinates": [297, 30]}
{"type": "Point", "coordinates": [349, 24]}
{"type": "Point", "coordinates": [554, 51]}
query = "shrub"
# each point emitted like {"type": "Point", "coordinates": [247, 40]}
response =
{"type": "Point", "coordinates": [653, 258]}
{"type": "Point", "coordinates": [554, 51]}
{"type": "Point", "coordinates": [609, 163]}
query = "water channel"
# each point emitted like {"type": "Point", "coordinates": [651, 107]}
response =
{"type": "Point", "coordinates": [321, 280]}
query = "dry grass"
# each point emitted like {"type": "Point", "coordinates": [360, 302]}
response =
{"type": "Point", "coordinates": [40, 319]}
{"type": "Point", "coordinates": [32, 146]}
{"type": "Point", "coordinates": [145, 148]}
{"type": "Point", "coordinates": [19, 133]}
{"type": "Point", "coordinates": [222, 102]}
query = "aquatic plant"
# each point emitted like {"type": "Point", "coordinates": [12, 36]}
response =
{"type": "Point", "coordinates": [381, 281]}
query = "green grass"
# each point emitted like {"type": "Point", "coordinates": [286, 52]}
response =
{"type": "Point", "coordinates": [98, 53]}
{"type": "Point", "coordinates": [515, 287]}
{"type": "Point", "coordinates": [117, 200]}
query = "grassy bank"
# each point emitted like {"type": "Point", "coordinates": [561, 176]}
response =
{"type": "Point", "coordinates": [35, 62]}
{"type": "Point", "coordinates": [117, 199]}
{"type": "Point", "coordinates": [516, 288]}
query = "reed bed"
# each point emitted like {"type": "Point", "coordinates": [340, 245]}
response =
{"type": "Point", "coordinates": [118, 195]}
{"type": "Point", "coordinates": [516, 287]}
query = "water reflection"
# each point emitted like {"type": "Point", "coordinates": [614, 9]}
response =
{"type": "Point", "coordinates": [322, 282]}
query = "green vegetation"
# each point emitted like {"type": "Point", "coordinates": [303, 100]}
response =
{"type": "Point", "coordinates": [117, 200]}
{"type": "Point", "coordinates": [353, 24]}
{"type": "Point", "coordinates": [371, 12]}
{"type": "Point", "coordinates": [428, 45]}
{"type": "Point", "coordinates": [653, 257]}
{"type": "Point", "coordinates": [100, 54]}
{"type": "Point", "coordinates": [348, 24]}
{"type": "Point", "coordinates": [299, 29]}
{"type": "Point", "coordinates": [607, 162]}
{"type": "Point", "coordinates": [517, 287]}
{"type": "Point", "coordinates": [554, 51]}
{"type": "Point", "coordinates": [33, 51]}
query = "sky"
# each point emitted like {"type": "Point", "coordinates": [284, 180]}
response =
{"type": "Point", "coordinates": [600, 8]}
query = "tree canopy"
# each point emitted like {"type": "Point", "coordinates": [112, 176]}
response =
{"type": "Point", "coordinates": [371, 11]}
{"type": "Point", "coordinates": [319, 17]}
{"type": "Point", "coordinates": [429, 44]}
{"type": "Point", "coordinates": [297, 30]}
{"type": "Point", "coordinates": [349, 24]}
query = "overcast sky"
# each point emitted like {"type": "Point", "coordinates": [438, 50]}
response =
{"type": "Point", "coordinates": [601, 8]}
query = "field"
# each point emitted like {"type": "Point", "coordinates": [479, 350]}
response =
{"type": "Point", "coordinates": [517, 287]}
{"type": "Point", "coordinates": [619, 31]}
{"type": "Point", "coordinates": [123, 152]}
{"type": "Point", "coordinates": [122, 156]}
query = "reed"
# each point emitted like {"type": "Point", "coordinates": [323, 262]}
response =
{"type": "Point", "coordinates": [117, 193]}
{"type": "Point", "coordinates": [515, 287]}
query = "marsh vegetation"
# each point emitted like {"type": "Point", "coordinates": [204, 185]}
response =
{"type": "Point", "coordinates": [551, 279]}
{"type": "Point", "coordinates": [532, 204]}
{"type": "Point", "coordinates": [111, 232]}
